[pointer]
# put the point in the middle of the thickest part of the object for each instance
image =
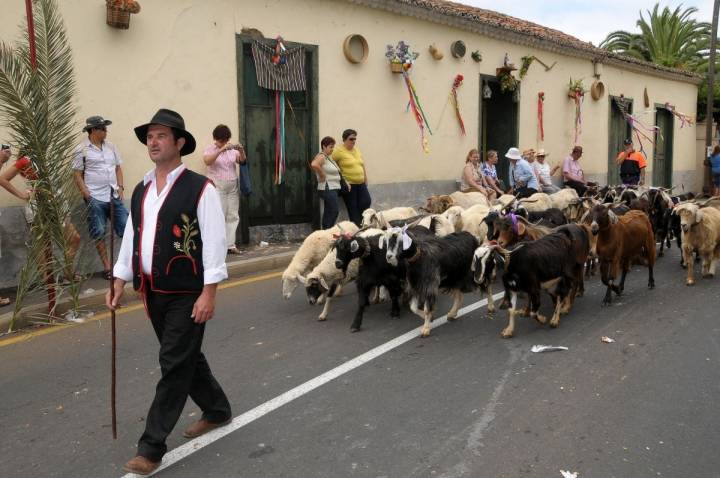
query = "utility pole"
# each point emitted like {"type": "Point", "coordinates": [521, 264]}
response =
{"type": "Point", "coordinates": [707, 184]}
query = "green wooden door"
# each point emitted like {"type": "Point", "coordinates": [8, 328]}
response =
{"type": "Point", "coordinates": [498, 124]}
{"type": "Point", "coordinates": [662, 159]}
{"type": "Point", "coordinates": [618, 131]}
{"type": "Point", "coordinates": [294, 201]}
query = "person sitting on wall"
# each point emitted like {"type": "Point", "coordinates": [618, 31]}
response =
{"type": "Point", "coordinates": [573, 175]}
{"type": "Point", "coordinates": [544, 173]}
{"type": "Point", "coordinates": [522, 178]}
{"type": "Point", "coordinates": [632, 165]}
{"type": "Point", "coordinates": [490, 173]}
{"type": "Point", "coordinates": [472, 179]}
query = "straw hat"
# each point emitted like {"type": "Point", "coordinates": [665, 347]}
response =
{"type": "Point", "coordinates": [541, 152]}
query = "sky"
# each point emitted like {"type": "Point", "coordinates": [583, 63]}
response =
{"type": "Point", "coordinates": [587, 20]}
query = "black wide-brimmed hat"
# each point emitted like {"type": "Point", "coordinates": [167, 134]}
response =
{"type": "Point", "coordinates": [171, 119]}
{"type": "Point", "coordinates": [95, 122]}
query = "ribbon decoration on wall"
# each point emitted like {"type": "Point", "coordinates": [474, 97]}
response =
{"type": "Point", "coordinates": [685, 120]}
{"type": "Point", "coordinates": [279, 69]}
{"type": "Point", "coordinates": [454, 99]}
{"type": "Point", "coordinates": [578, 99]}
{"type": "Point", "coordinates": [416, 107]}
{"type": "Point", "coordinates": [640, 129]}
{"type": "Point", "coordinates": [541, 101]}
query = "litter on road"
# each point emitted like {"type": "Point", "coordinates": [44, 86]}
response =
{"type": "Point", "coordinates": [569, 474]}
{"type": "Point", "coordinates": [607, 339]}
{"type": "Point", "coordinates": [547, 348]}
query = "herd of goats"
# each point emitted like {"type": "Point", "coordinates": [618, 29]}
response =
{"type": "Point", "coordinates": [544, 242]}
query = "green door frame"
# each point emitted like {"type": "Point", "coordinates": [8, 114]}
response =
{"type": "Point", "coordinates": [613, 151]}
{"type": "Point", "coordinates": [313, 142]}
{"type": "Point", "coordinates": [669, 145]}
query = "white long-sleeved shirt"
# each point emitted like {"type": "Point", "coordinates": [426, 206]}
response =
{"type": "Point", "coordinates": [212, 231]}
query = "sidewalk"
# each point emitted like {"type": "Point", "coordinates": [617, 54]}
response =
{"type": "Point", "coordinates": [252, 260]}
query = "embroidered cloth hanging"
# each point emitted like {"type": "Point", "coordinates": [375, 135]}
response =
{"type": "Point", "coordinates": [279, 68]}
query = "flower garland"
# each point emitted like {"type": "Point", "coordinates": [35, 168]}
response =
{"type": "Point", "coordinates": [454, 99]}
{"type": "Point", "coordinates": [576, 91]}
{"type": "Point", "coordinates": [418, 112]}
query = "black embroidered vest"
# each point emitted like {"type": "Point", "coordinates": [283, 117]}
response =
{"type": "Point", "coordinates": [177, 265]}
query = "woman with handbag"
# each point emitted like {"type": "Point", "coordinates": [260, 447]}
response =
{"type": "Point", "coordinates": [352, 167]}
{"type": "Point", "coordinates": [329, 181]}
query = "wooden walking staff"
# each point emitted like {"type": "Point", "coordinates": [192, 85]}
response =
{"type": "Point", "coordinates": [113, 192]}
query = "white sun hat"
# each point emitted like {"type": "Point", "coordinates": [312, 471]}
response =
{"type": "Point", "coordinates": [513, 153]}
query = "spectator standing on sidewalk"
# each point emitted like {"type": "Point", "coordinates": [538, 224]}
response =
{"type": "Point", "coordinates": [352, 168]}
{"type": "Point", "coordinates": [328, 179]}
{"type": "Point", "coordinates": [174, 252]}
{"type": "Point", "coordinates": [5, 153]}
{"type": "Point", "coordinates": [99, 178]}
{"type": "Point", "coordinates": [632, 165]}
{"type": "Point", "coordinates": [222, 159]}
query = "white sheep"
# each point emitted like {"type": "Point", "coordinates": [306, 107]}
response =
{"type": "Point", "coordinates": [472, 220]}
{"type": "Point", "coordinates": [312, 251]}
{"type": "Point", "coordinates": [467, 200]}
{"type": "Point", "coordinates": [536, 202]}
{"type": "Point", "coordinates": [372, 218]}
{"type": "Point", "coordinates": [701, 232]}
{"type": "Point", "coordinates": [452, 214]}
{"type": "Point", "coordinates": [326, 281]}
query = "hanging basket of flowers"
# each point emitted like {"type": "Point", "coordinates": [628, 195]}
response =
{"type": "Point", "coordinates": [118, 12]}
{"type": "Point", "coordinates": [400, 57]}
{"type": "Point", "coordinates": [576, 89]}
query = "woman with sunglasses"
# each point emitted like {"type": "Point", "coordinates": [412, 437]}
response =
{"type": "Point", "coordinates": [352, 167]}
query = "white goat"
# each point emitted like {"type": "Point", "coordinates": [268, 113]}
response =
{"type": "Point", "coordinates": [471, 220]}
{"type": "Point", "coordinates": [371, 217]}
{"type": "Point", "coordinates": [312, 251]}
{"type": "Point", "coordinates": [564, 198]}
{"type": "Point", "coordinates": [443, 225]}
{"type": "Point", "coordinates": [701, 232]}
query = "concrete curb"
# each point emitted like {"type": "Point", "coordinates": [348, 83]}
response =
{"type": "Point", "coordinates": [96, 298]}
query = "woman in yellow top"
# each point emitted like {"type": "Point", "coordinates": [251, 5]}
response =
{"type": "Point", "coordinates": [352, 167]}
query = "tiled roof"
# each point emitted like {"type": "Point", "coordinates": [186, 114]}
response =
{"type": "Point", "coordinates": [529, 32]}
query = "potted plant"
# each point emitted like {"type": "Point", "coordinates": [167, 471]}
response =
{"type": "Point", "coordinates": [118, 12]}
{"type": "Point", "coordinates": [400, 57]}
{"type": "Point", "coordinates": [576, 89]}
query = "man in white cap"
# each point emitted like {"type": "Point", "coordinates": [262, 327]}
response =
{"type": "Point", "coordinates": [544, 173]}
{"type": "Point", "coordinates": [522, 178]}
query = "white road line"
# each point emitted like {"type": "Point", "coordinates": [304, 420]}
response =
{"type": "Point", "coordinates": [250, 416]}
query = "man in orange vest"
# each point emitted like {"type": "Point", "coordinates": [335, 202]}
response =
{"type": "Point", "coordinates": [632, 165]}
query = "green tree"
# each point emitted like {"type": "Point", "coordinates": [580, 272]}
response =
{"type": "Point", "coordinates": [38, 108]}
{"type": "Point", "coordinates": [668, 38]}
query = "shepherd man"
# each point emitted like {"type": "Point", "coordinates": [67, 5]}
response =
{"type": "Point", "coordinates": [173, 251]}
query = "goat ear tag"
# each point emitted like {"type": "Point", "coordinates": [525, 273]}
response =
{"type": "Point", "coordinates": [354, 246]}
{"type": "Point", "coordinates": [406, 241]}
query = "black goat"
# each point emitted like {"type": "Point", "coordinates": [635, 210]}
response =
{"type": "Point", "coordinates": [373, 271]}
{"type": "Point", "coordinates": [551, 218]}
{"type": "Point", "coordinates": [552, 262]}
{"type": "Point", "coordinates": [433, 263]}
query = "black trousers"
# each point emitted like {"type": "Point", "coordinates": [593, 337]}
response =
{"type": "Point", "coordinates": [185, 372]}
{"type": "Point", "coordinates": [356, 201]}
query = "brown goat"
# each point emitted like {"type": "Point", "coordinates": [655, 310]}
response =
{"type": "Point", "coordinates": [511, 229]}
{"type": "Point", "coordinates": [619, 241]}
{"type": "Point", "coordinates": [438, 204]}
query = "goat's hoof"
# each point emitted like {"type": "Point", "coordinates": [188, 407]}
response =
{"type": "Point", "coordinates": [506, 334]}
{"type": "Point", "coordinates": [554, 323]}
{"type": "Point", "coordinates": [504, 306]}
{"type": "Point", "coordinates": [450, 319]}
{"type": "Point", "coordinates": [525, 313]}
{"type": "Point", "coordinates": [425, 332]}
{"type": "Point", "coordinates": [708, 276]}
{"type": "Point", "coordinates": [689, 282]}
{"type": "Point", "coordinates": [539, 317]}
{"type": "Point", "coordinates": [321, 318]}
{"type": "Point", "coordinates": [651, 285]}
{"type": "Point", "coordinates": [354, 329]}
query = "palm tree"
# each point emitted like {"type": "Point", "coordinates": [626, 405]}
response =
{"type": "Point", "coordinates": [668, 38]}
{"type": "Point", "coordinates": [37, 107]}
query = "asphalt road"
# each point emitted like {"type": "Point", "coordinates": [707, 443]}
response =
{"type": "Point", "coordinates": [462, 403]}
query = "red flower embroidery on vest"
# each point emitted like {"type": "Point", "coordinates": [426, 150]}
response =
{"type": "Point", "coordinates": [186, 233]}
